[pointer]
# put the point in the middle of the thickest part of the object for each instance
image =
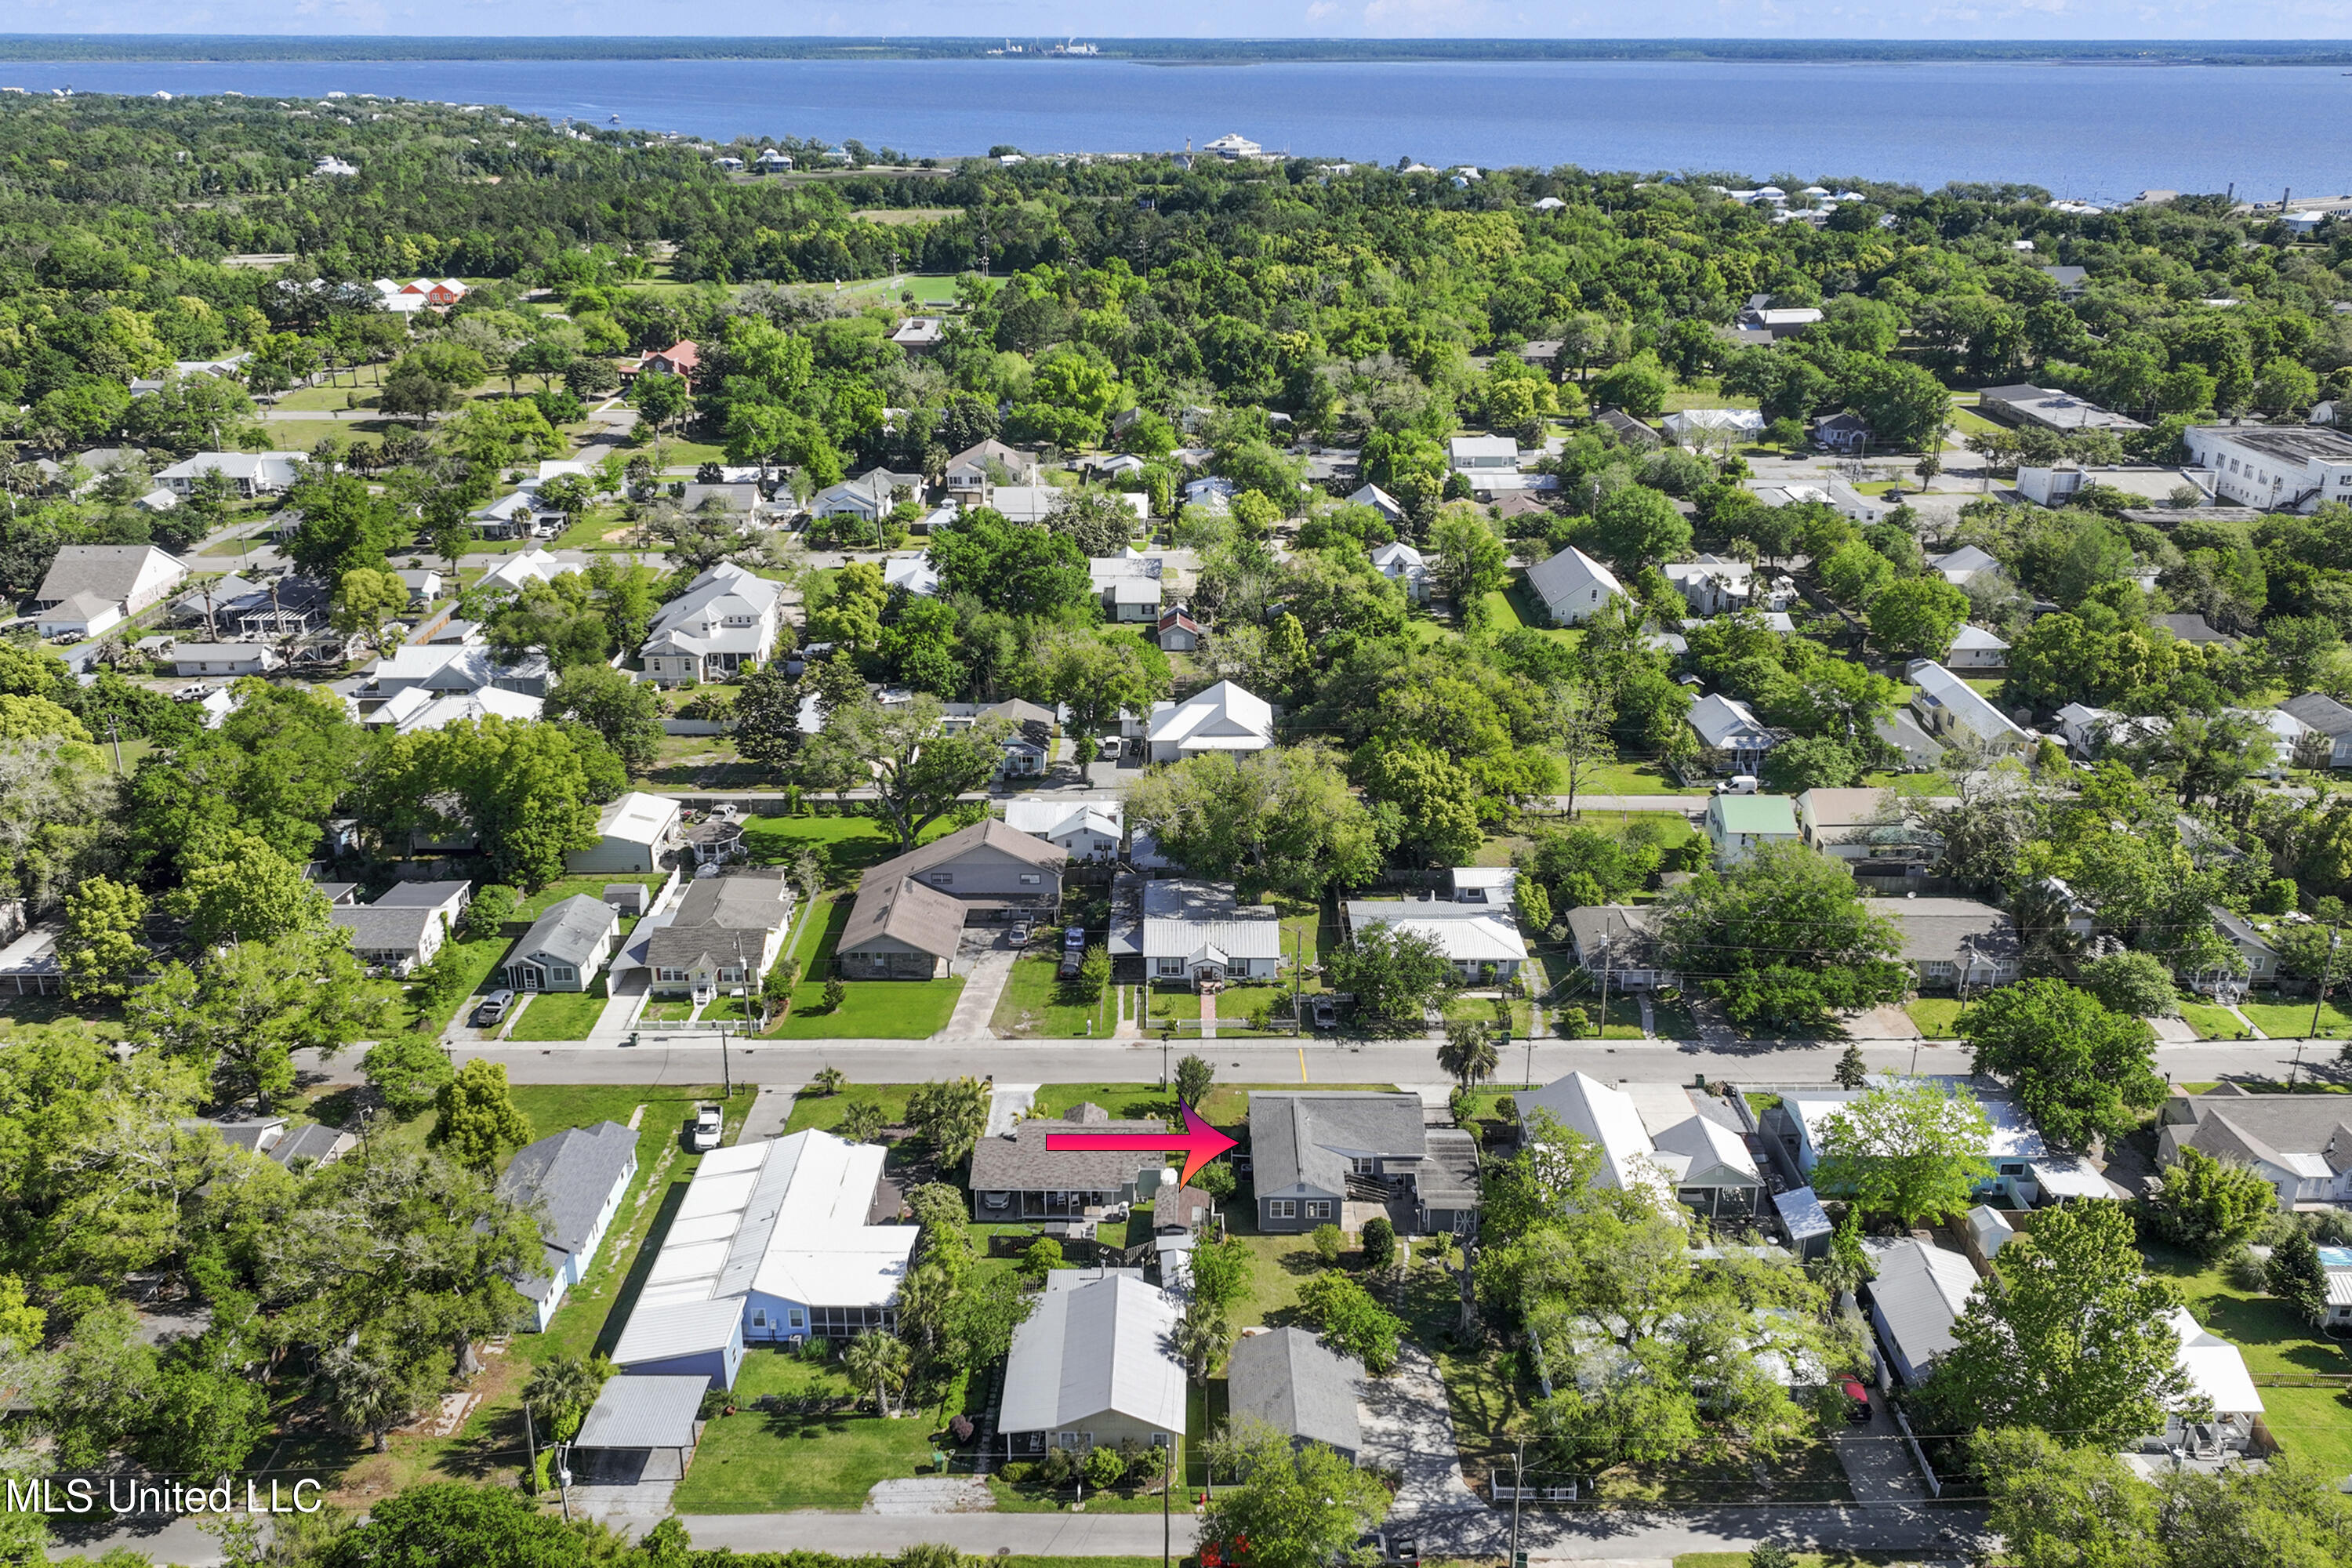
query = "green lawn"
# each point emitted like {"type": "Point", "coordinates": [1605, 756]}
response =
{"type": "Point", "coordinates": [2292, 1020]}
{"type": "Point", "coordinates": [2213, 1023]}
{"type": "Point", "coordinates": [811, 1109]}
{"type": "Point", "coordinates": [1034, 1004]}
{"type": "Point", "coordinates": [2312, 1423]}
{"type": "Point", "coordinates": [1934, 1015]}
{"type": "Point", "coordinates": [876, 1009]}
{"type": "Point", "coordinates": [561, 1015]}
{"type": "Point", "coordinates": [1174, 1005]}
{"type": "Point", "coordinates": [1520, 607]}
{"type": "Point", "coordinates": [843, 845]}
{"type": "Point", "coordinates": [1632, 778]}
{"type": "Point", "coordinates": [752, 1462]}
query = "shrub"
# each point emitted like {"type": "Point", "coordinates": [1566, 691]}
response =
{"type": "Point", "coordinates": [1379, 1243]}
{"type": "Point", "coordinates": [1216, 1179]}
{"type": "Point", "coordinates": [1017, 1473]}
{"type": "Point", "coordinates": [1508, 1108]}
{"type": "Point", "coordinates": [1044, 1255]}
{"type": "Point", "coordinates": [2245, 1271]}
{"type": "Point", "coordinates": [1329, 1240]}
{"type": "Point", "coordinates": [1105, 1466]}
{"type": "Point", "coordinates": [835, 993]}
{"type": "Point", "coordinates": [1572, 1023]}
{"type": "Point", "coordinates": [489, 912]}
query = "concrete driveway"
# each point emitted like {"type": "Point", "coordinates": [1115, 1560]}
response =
{"type": "Point", "coordinates": [986, 968]}
{"type": "Point", "coordinates": [1877, 1461]}
{"type": "Point", "coordinates": [1408, 1428]}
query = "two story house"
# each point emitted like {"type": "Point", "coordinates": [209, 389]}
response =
{"type": "Point", "coordinates": [1315, 1153]}
{"type": "Point", "coordinates": [726, 619]}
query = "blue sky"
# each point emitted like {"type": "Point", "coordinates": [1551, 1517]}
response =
{"type": "Point", "coordinates": [1970, 19]}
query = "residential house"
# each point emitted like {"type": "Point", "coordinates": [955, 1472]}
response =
{"type": "Point", "coordinates": [2336, 1263]}
{"type": "Point", "coordinates": [1179, 632]}
{"type": "Point", "coordinates": [228, 367]}
{"type": "Point", "coordinates": [1379, 501]}
{"type": "Point", "coordinates": [971, 479]}
{"type": "Point", "coordinates": [1190, 933]}
{"type": "Point", "coordinates": [1777, 321]}
{"type": "Point", "coordinates": [908, 918]}
{"type": "Point", "coordinates": [2278, 468]}
{"type": "Point", "coordinates": [1847, 433]}
{"type": "Point", "coordinates": [250, 474]}
{"type": "Point", "coordinates": [2194, 629]}
{"type": "Point", "coordinates": [2301, 1143]}
{"type": "Point", "coordinates": [915, 573]}
{"type": "Point", "coordinates": [1403, 564]}
{"type": "Point", "coordinates": [683, 357]}
{"type": "Point", "coordinates": [522, 515]}
{"type": "Point", "coordinates": [90, 588]}
{"type": "Point", "coordinates": [726, 932]}
{"type": "Point", "coordinates": [1214, 493]}
{"type": "Point", "coordinates": [1480, 939]}
{"type": "Point", "coordinates": [2090, 731]}
{"type": "Point", "coordinates": [415, 708]}
{"type": "Point", "coordinates": [1026, 503]}
{"type": "Point", "coordinates": [564, 947]}
{"type": "Point", "coordinates": [1916, 1293]}
{"type": "Point", "coordinates": [395, 940]}
{"type": "Point", "coordinates": [1736, 824]}
{"type": "Point", "coordinates": [1291, 1381]}
{"type": "Point", "coordinates": [900, 929]}
{"type": "Point", "coordinates": [229, 658]}
{"type": "Point", "coordinates": [2218, 1386]}
{"type": "Point", "coordinates": [633, 834]}
{"type": "Point", "coordinates": [1465, 454]}
{"type": "Point", "coordinates": [1082, 830]}
{"type": "Point", "coordinates": [1863, 826]}
{"type": "Point", "coordinates": [871, 495]}
{"type": "Point", "coordinates": [1016, 1176]}
{"type": "Point", "coordinates": [737, 501]}
{"type": "Point", "coordinates": [423, 586]}
{"type": "Point", "coordinates": [2026, 1170]}
{"type": "Point", "coordinates": [1225, 717]}
{"type": "Point", "coordinates": [572, 1183]}
{"type": "Point", "coordinates": [2024, 405]}
{"type": "Point", "coordinates": [727, 619]}
{"type": "Point", "coordinates": [1094, 1362]}
{"type": "Point", "coordinates": [1572, 586]}
{"type": "Point", "coordinates": [2327, 743]}
{"type": "Point", "coordinates": [1948, 706]}
{"type": "Point", "coordinates": [1973, 647]}
{"type": "Point", "coordinates": [1729, 726]}
{"type": "Point", "coordinates": [1629, 431]}
{"type": "Point", "coordinates": [773, 1243]}
{"type": "Point", "coordinates": [1659, 1138]}
{"type": "Point", "coordinates": [1962, 565]}
{"type": "Point", "coordinates": [1128, 587]}
{"type": "Point", "coordinates": [1953, 942]}
{"type": "Point", "coordinates": [1698, 427]}
{"type": "Point", "coordinates": [1715, 586]}
{"type": "Point", "coordinates": [2257, 961]}
{"type": "Point", "coordinates": [1313, 1152]}
{"type": "Point", "coordinates": [1618, 943]}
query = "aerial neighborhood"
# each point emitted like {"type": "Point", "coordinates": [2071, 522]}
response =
{"type": "Point", "coordinates": [654, 790]}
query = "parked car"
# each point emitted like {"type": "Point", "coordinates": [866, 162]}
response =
{"type": "Point", "coordinates": [1107, 746]}
{"type": "Point", "coordinates": [1074, 939]}
{"type": "Point", "coordinates": [1737, 783]}
{"type": "Point", "coordinates": [1021, 933]}
{"type": "Point", "coordinates": [1394, 1551]}
{"type": "Point", "coordinates": [1327, 1012]}
{"type": "Point", "coordinates": [709, 1121]}
{"type": "Point", "coordinates": [493, 1007]}
{"type": "Point", "coordinates": [1857, 1409]}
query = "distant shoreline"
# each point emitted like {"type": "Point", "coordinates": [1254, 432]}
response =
{"type": "Point", "coordinates": [92, 48]}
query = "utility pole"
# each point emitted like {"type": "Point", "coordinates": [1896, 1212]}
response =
{"type": "Point", "coordinates": [1519, 1489]}
{"type": "Point", "coordinates": [2319, 992]}
{"type": "Point", "coordinates": [1167, 1484]}
{"type": "Point", "coordinates": [114, 733]}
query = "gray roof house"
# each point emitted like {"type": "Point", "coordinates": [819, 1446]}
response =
{"type": "Point", "coordinates": [391, 940]}
{"type": "Point", "coordinates": [2302, 1143]}
{"type": "Point", "coordinates": [564, 947]}
{"type": "Point", "coordinates": [90, 587]}
{"type": "Point", "coordinates": [1016, 1176]}
{"type": "Point", "coordinates": [2331, 720]}
{"type": "Point", "coordinates": [1917, 1295]}
{"type": "Point", "coordinates": [1620, 941]}
{"type": "Point", "coordinates": [1291, 1381]}
{"type": "Point", "coordinates": [900, 929]}
{"type": "Point", "coordinates": [574, 1181]}
{"type": "Point", "coordinates": [1312, 1152]}
{"type": "Point", "coordinates": [1954, 941]}
{"type": "Point", "coordinates": [1094, 1362]}
{"type": "Point", "coordinates": [726, 931]}
{"type": "Point", "coordinates": [986, 866]}
{"type": "Point", "coordinates": [1187, 931]}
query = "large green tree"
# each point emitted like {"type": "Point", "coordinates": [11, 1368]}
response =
{"type": "Point", "coordinates": [1282, 818]}
{"type": "Point", "coordinates": [1915, 1150]}
{"type": "Point", "coordinates": [1783, 937]}
{"type": "Point", "coordinates": [2082, 1072]}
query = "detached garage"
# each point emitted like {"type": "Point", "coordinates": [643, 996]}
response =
{"type": "Point", "coordinates": [632, 834]}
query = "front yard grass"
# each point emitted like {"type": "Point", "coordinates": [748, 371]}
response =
{"type": "Point", "coordinates": [1034, 1004]}
{"type": "Point", "coordinates": [2292, 1020]}
{"type": "Point", "coordinates": [756, 1462]}
{"type": "Point", "coordinates": [561, 1015]}
{"type": "Point", "coordinates": [1936, 1016]}
{"type": "Point", "coordinates": [2213, 1023]}
{"type": "Point", "coordinates": [872, 1009]}
{"type": "Point", "coordinates": [811, 1109]}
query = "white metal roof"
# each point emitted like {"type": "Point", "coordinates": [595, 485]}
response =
{"type": "Point", "coordinates": [2215, 1370]}
{"type": "Point", "coordinates": [1102, 1347]}
{"type": "Point", "coordinates": [638, 818]}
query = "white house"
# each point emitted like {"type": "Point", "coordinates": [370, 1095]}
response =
{"type": "Point", "coordinates": [1973, 647]}
{"type": "Point", "coordinates": [222, 658]}
{"type": "Point", "coordinates": [1694, 426]}
{"type": "Point", "coordinates": [1737, 824]}
{"type": "Point", "coordinates": [1572, 586]}
{"type": "Point", "coordinates": [1086, 830]}
{"type": "Point", "coordinates": [1481, 940]}
{"type": "Point", "coordinates": [1728, 725]}
{"type": "Point", "coordinates": [571, 1183]}
{"type": "Point", "coordinates": [1403, 564]}
{"type": "Point", "coordinates": [523, 567]}
{"type": "Point", "coordinates": [2279, 467]}
{"type": "Point", "coordinates": [1189, 932]}
{"type": "Point", "coordinates": [251, 473]}
{"type": "Point", "coordinates": [2026, 1171]}
{"type": "Point", "coordinates": [771, 1244]}
{"type": "Point", "coordinates": [1962, 565]}
{"type": "Point", "coordinates": [968, 471]}
{"type": "Point", "coordinates": [2327, 736]}
{"type": "Point", "coordinates": [1660, 1137]}
{"type": "Point", "coordinates": [633, 833]}
{"type": "Point", "coordinates": [415, 708]}
{"type": "Point", "coordinates": [1225, 717]}
{"type": "Point", "coordinates": [1214, 493]}
{"type": "Point", "coordinates": [913, 573]}
{"type": "Point", "coordinates": [1946, 706]}
{"type": "Point", "coordinates": [1381, 501]}
{"type": "Point", "coordinates": [89, 588]}
{"type": "Point", "coordinates": [726, 618]}
{"type": "Point", "coordinates": [1465, 453]}
{"type": "Point", "coordinates": [522, 515]}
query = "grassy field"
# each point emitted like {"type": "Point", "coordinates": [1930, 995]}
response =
{"type": "Point", "coordinates": [2292, 1020]}
{"type": "Point", "coordinates": [2213, 1023]}
{"type": "Point", "coordinates": [1033, 1006]}
{"type": "Point", "coordinates": [811, 1109]}
{"type": "Point", "coordinates": [752, 1462]}
{"type": "Point", "coordinates": [1934, 1015]}
{"type": "Point", "coordinates": [2315, 1424]}
{"type": "Point", "coordinates": [876, 1009]}
{"type": "Point", "coordinates": [844, 845]}
{"type": "Point", "coordinates": [1632, 778]}
{"type": "Point", "coordinates": [561, 1015]}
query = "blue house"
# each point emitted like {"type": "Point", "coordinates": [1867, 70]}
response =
{"type": "Point", "coordinates": [773, 1244]}
{"type": "Point", "coordinates": [572, 1182]}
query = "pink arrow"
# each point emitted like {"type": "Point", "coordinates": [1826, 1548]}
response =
{"type": "Point", "coordinates": [1199, 1142]}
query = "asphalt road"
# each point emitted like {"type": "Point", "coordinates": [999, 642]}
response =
{"type": "Point", "coordinates": [692, 1059]}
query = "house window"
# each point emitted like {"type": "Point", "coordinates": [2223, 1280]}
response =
{"type": "Point", "coordinates": [2012, 1168]}
{"type": "Point", "coordinates": [940, 879]}
{"type": "Point", "coordinates": [1317, 1209]}
{"type": "Point", "coordinates": [1029, 879]}
{"type": "Point", "coordinates": [1170, 966]}
{"type": "Point", "coordinates": [791, 1317]}
{"type": "Point", "coordinates": [759, 1317]}
{"type": "Point", "coordinates": [1281, 1208]}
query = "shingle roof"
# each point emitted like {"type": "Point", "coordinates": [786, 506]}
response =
{"type": "Point", "coordinates": [715, 912]}
{"type": "Point", "coordinates": [2323, 713]}
{"type": "Point", "coordinates": [421, 894]}
{"type": "Point", "coordinates": [1294, 1383]}
{"type": "Point", "coordinates": [112, 571]}
{"type": "Point", "coordinates": [1019, 1160]}
{"type": "Point", "coordinates": [903, 910]}
{"type": "Point", "coordinates": [379, 927]}
{"type": "Point", "coordinates": [1297, 1139]}
{"type": "Point", "coordinates": [1943, 930]}
{"type": "Point", "coordinates": [567, 1178]}
{"type": "Point", "coordinates": [991, 835]}
{"type": "Point", "coordinates": [568, 931]}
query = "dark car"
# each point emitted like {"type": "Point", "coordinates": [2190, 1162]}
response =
{"type": "Point", "coordinates": [1857, 1409]}
{"type": "Point", "coordinates": [1395, 1551]}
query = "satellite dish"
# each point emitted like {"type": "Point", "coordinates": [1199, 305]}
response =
{"type": "Point", "coordinates": [1167, 1175]}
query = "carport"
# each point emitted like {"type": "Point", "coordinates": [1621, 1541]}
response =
{"type": "Point", "coordinates": [638, 1419]}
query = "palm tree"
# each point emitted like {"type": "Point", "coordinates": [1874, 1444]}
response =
{"type": "Point", "coordinates": [560, 1390]}
{"type": "Point", "coordinates": [1468, 1054]}
{"type": "Point", "coordinates": [828, 1080]}
{"type": "Point", "coordinates": [1202, 1335]}
{"type": "Point", "coordinates": [876, 1358]}
{"type": "Point", "coordinates": [861, 1122]}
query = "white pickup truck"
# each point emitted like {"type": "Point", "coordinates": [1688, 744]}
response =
{"type": "Point", "coordinates": [709, 1121]}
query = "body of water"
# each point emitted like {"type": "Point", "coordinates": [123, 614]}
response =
{"type": "Point", "coordinates": [2092, 132]}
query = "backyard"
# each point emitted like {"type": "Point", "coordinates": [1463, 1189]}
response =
{"type": "Point", "coordinates": [2313, 1423]}
{"type": "Point", "coordinates": [872, 1009]}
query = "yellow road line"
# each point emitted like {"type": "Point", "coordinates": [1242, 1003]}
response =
{"type": "Point", "coordinates": [1302, 1064]}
